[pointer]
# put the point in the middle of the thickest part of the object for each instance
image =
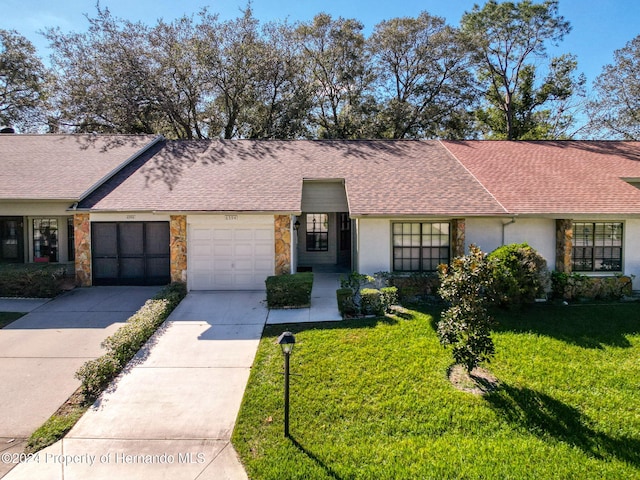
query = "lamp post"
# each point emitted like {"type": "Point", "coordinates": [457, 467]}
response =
{"type": "Point", "coordinates": [286, 341]}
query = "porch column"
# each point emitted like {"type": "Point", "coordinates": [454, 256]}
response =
{"type": "Point", "coordinates": [82, 243]}
{"type": "Point", "coordinates": [282, 226]}
{"type": "Point", "coordinates": [178, 247]}
{"type": "Point", "coordinates": [457, 237]}
{"type": "Point", "coordinates": [564, 245]}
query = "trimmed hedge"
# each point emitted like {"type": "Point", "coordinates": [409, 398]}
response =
{"type": "Point", "coordinates": [372, 301]}
{"type": "Point", "coordinates": [346, 305]}
{"type": "Point", "coordinates": [415, 286]}
{"type": "Point", "coordinates": [31, 280]}
{"type": "Point", "coordinates": [289, 291]}
{"type": "Point", "coordinates": [96, 374]}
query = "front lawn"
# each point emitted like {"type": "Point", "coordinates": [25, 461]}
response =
{"type": "Point", "coordinates": [371, 399]}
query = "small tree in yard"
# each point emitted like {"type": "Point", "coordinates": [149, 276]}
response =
{"type": "Point", "coordinates": [465, 325]}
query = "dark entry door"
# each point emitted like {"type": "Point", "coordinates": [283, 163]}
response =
{"type": "Point", "coordinates": [130, 253]}
{"type": "Point", "coordinates": [11, 240]}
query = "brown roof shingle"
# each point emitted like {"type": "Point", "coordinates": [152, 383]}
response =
{"type": "Point", "coordinates": [381, 178]}
{"type": "Point", "coordinates": [63, 167]}
{"type": "Point", "coordinates": [555, 177]}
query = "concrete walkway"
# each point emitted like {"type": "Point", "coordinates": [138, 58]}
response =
{"type": "Point", "coordinates": [324, 305]}
{"type": "Point", "coordinates": [40, 352]}
{"type": "Point", "coordinates": [172, 413]}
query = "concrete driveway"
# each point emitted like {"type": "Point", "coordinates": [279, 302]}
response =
{"type": "Point", "coordinates": [171, 413]}
{"type": "Point", "coordinates": [40, 352]}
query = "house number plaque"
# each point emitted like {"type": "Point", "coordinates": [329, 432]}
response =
{"type": "Point", "coordinates": [231, 217]}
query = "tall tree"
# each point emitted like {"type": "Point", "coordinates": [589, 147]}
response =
{"type": "Point", "coordinates": [615, 111]}
{"type": "Point", "coordinates": [257, 79]}
{"type": "Point", "coordinates": [423, 73]}
{"type": "Point", "coordinates": [23, 81]}
{"type": "Point", "coordinates": [103, 77]}
{"type": "Point", "coordinates": [339, 75]}
{"type": "Point", "coordinates": [509, 39]}
{"type": "Point", "coordinates": [283, 100]}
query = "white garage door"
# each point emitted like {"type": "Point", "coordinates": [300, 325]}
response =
{"type": "Point", "coordinates": [230, 258]}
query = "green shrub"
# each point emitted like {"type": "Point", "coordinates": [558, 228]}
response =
{"type": "Point", "coordinates": [289, 290]}
{"type": "Point", "coordinates": [520, 275]}
{"type": "Point", "coordinates": [415, 285]}
{"type": "Point", "coordinates": [572, 286]}
{"type": "Point", "coordinates": [96, 374]}
{"type": "Point", "coordinates": [346, 306]}
{"type": "Point", "coordinates": [371, 302]}
{"type": "Point", "coordinates": [465, 325]}
{"type": "Point", "coordinates": [31, 280]}
{"type": "Point", "coordinates": [389, 297]}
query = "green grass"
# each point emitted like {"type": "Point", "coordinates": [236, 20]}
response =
{"type": "Point", "coordinates": [7, 317]}
{"type": "Point", "coordinates": [55, 428]}
{"type": "Point", "coordinates": [371, 399]}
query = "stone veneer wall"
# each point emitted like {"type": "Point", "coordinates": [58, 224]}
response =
{"type": "Point", "coordinates": [82, 243]}
{"type": "Point", "coordinates": [282, 226]}
{"type": "Point", "coordinates": [178, 247]}
{"type": "Point", "coordinates": [457, 237]}
{"type": "Point", "coordinates": [564, 245]}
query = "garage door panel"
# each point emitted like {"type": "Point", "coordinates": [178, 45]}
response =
{"type": "Point", "coordinates": [220, 234]}
{"type": "Point", "coordinates": [105, 268]}
{"type": "Point", "coordinates": [202, 249]}
{"type": "Point", "coordinates": [263, 234]}
{"type": "Point", "coordinates": [240, 257]}
{"type": "Point", "coordinates": [263, 265]}
{"type": "Point", "coordinates": [263, 250]}
{"type": "Point", "coordinates": [201, 234]}
{"type": "Point", "coordinates": [243, 249]}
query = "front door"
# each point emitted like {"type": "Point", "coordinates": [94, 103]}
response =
{"type": "Point", "coordinates": [11, 240]}
{"type": "Point", "coordinates": [344, 240]}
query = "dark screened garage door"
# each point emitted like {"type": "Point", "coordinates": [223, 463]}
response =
{"type": "Point", "coordinates": [130, 253]}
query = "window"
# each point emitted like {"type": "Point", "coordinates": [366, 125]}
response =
{"type": "Point", "coordinates": [597, 247]}
{"type": "Point", "coordinates": [317, 232]}
{"type": "Point", "coordinates": [45, 240]}
{"type": "Point", "coordinates": [420, 247]}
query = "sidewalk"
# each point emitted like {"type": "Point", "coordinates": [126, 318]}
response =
{"type": "Point", "coordinates": [324, 305]}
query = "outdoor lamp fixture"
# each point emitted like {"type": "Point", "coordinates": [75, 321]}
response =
{"type": "Point", "coordinates": [286, 342]}
{"type": "Point", "coordinates": [297, 225]}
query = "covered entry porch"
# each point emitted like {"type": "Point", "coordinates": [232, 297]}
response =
{"type": "Point", "coordinates": [325, 233]}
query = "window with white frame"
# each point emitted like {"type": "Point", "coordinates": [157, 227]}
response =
{"type": "Point", "coordinates": [597, 247]}
{"type": "Point", "coordinates": [420, 246]}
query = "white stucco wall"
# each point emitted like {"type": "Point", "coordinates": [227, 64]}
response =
{"type": "Point", "coordinates": [631, 253]}
{"type": "Point", "coordinates": [374, 245]}
{"type": "Point", "coordinates": [539, 233]}
{"type": "Point", "coordinates": [374, 238]}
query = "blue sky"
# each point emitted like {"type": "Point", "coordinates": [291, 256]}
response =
{"type": "Point", "coordinates": [599, 26]}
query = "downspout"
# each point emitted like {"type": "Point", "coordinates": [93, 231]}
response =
{"type": "Point", "coordinates": [504, 225]}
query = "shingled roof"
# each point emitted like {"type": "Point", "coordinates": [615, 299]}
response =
{"type": "Point", "coordinates": [381, 178]}
{"type": "Point", "coordinates": [61, 167]}
{"type": "Point", "coordinates": [556, 178]}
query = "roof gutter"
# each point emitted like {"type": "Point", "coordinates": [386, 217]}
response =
{"type": "Point", "coordinates": [113, 172]}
